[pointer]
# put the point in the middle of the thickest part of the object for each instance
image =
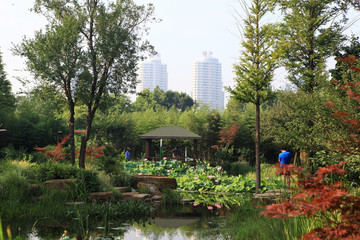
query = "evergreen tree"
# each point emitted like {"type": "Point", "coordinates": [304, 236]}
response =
{"type": "Point", "coordinates": [254, 72]}
{"type": "Point", "coordinates": [312, 32]}
{"type": "Point", "coordinates": [7, 99]}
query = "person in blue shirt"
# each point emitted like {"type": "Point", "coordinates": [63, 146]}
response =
{"type": "Point", "coordinates": [284, 159]}
{"type": "Point", "coordinates": [127, 153]}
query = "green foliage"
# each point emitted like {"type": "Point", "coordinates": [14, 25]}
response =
{"type": "Point", "coordinates": [245, 223]}
{"type": "Point", "coordinates": [49, 171]}
{"type": "Point", "coordinates": [352, 167]}
{"type": "Point", "coordinates": [342, 72]}
{"type": "Point", "coordinates": [202, 178]}
{"type": "Point", "coordinates": [254, 71]}
{"type": "Point", "coordinates": [312, 31]}
{"type": "Point", "coordinates": [76, 45]}
{"type": "Point", "coordinates": [7, 99]}
{"type": "Point", "coordinates": [158, 99]}
{"type": "Point", "coordinates": [10, 153]}
{"type": "Point", "coordinates": [170, 197]}
{"type": "Point", "coordinates": [13, 186]}
{"type": "Point", "coordinates": [238, 168]}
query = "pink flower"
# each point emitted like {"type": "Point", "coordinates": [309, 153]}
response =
{"type": "Point", "coordinates": [196, 178]}
{"type": "Point", "coordinates": [145, 159]}
{"type": "Point", "coordinates": [216, 180]}
{"type": "Point", "coordinates": [210, 207]}
{"type": "Point", "coordinates": [211, 176]}
{"type": "Point", "coordinates": [140, 173]}
{"type": "Point", "coordinates": [219, 168]}
{"type": "Point", "coordinates": [164, 158]}
{"type": "Point", "coordinates": [169, 170]}
{"type": "Point", "coordinates": [217, 205]}
{"type": "Point", "coordinates": [195, 204]}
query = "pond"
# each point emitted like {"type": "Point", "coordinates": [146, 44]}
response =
{"type": "Point", "coordinates": [180, 222]}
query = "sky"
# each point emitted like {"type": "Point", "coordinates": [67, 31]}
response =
{"type": "Point", "coordinates": [188, 28]}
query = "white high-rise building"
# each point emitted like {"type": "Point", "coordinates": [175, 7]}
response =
{"type": "Point", "coordinates": [207, 83]}
{"type": "Point", "coordinates": [152, 73]}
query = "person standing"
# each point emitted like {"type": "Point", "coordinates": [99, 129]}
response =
{"type": "Point", "coordinates": [176, 152]}
{"type": "Point", "coordinates": [284, 160]}
{"type": "Point", "coordinates": [127, 154]}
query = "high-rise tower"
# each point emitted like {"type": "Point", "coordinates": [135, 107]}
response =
{"type": "Point", "coordinates": [207, 83]}
{"type": "Point", "coordinates": [153, 73]}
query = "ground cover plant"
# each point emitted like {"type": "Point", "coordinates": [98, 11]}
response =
{"type": "Point", "coordinates": [203, 178]}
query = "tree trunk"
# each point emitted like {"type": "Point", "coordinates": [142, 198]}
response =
{"type": "Point", "coordinates": [72, 132]}
{"type": "Point", "coordinates": [257, 148]}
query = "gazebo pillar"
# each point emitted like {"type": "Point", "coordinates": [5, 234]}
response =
{"type": "Point", "coordinates": [195, 148]}
{"type": "Point", "coordinates": [148, 148]}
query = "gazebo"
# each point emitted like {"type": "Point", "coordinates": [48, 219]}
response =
{"type": "Point", "coordinates": [169, 132]}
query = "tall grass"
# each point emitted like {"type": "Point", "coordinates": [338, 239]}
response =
{"type": "Point", "coordinates": [246, 223]}
{"type": "Point", "coordinates": [266, 171]}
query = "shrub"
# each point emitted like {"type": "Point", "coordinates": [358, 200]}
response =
{"type": "Point", "coordinates": [240, 168]}
{"type": "Point", "coordinates": [318, 196]}
{"type": "Point", "coordinates": [13, 186]}
{"type": "Point", "coordinates": [48, 171]}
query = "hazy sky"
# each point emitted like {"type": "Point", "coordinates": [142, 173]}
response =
{"type": "Point", "coordinates": [188, 28]}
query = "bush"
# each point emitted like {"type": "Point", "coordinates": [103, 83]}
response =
{"type": "Point", "coordinates": [10, 153]}
{"type": "Point", "coordinates": [13, 186]}
{"type": "Point", "coordinates": [49, 171]}
{"type": "Point", "coordinates": [237, 168]}
{"type": "Point", "coordinates": [352, 167]}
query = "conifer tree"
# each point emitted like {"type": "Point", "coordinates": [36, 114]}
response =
{"type": "Point", "coordinates": [7, 99]}
{"type": "Point", "coordinates": [257, 62]}
{"type": "Point", "coordinates": [312, 31]}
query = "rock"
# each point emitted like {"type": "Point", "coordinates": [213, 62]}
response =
{"type": "Point", "coordinates": [149, 187]}
{"type": "Point", "coordinates": [101, 196]}
{"type": "Point", "coordinates": [59, 184]}
{"type": "Point", "coordinates": [160, 181]}
{"type": "Point", "coordinates": [134, 196]}
{"type": "Point", "coordinates": [74, 203]}
{"type": "Point", "coordinates": [156, 198]}
{"type": "Point", "coordinates": [122, 189]}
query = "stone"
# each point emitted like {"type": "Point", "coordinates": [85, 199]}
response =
{"type": "Point", "coordinates": [160, 181]}
{"type": "Point", "coordinates": [149, 187]}
{"type": "Point", "coordinates": [122, 189]}
{"type": "Point", "coordinates": [74, 203]}
{"type": "Point", "coordinates": [101, 196]}
{"type": "Point", "coordinates": [156, 198]}
{"type": "Point", "coordinates": [59, 184]}
{"type": "Point", "coordinates": [134, 196]}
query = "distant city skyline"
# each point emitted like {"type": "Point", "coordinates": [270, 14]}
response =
{"type": "Point", "coordinates": [207, 82]}
{"type": "Point", "coordinates": [152, 73]}
{"type": "Point", "coordinates": [187, 28]}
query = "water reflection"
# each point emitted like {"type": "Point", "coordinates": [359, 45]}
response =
{"type": "Point", "coordinates": [182, 222]}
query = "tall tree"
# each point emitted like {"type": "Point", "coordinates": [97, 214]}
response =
{"type": "Point", "coordinates": [90, 48]}
{"type": "Point", "coordinates": [156, 98]}
{"type": "Point", "coordinates": [342, 72]}
{"type": "Point", "coordinates": [7, 99]}
{"type": "Point", "coordinates": [312, 31]}
{"type": "Point", "coordinates": [257, 63]}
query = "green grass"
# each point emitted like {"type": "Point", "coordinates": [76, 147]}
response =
{"type": "Point", "coordinates": [246, 223]}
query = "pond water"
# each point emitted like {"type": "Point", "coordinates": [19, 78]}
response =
{"type": "Point", "coordinates": [181, 222]}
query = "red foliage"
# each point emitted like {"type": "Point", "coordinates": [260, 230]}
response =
{"type": "Point", "coordinates": [351, 142]}
{"type": "Point", "coordinates": [315, 195]}
{"type": "Point", "coordinates": [92, 152]}
{"type": "Point", "coordinates": [58, 153]}
{"type": "Point", "coordinates": [227, 136]}
{"type": "Point", "coordinates": [329, 202]}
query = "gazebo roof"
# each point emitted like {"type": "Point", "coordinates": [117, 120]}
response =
{"type": "Point", "coordinates": [170, 132]}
